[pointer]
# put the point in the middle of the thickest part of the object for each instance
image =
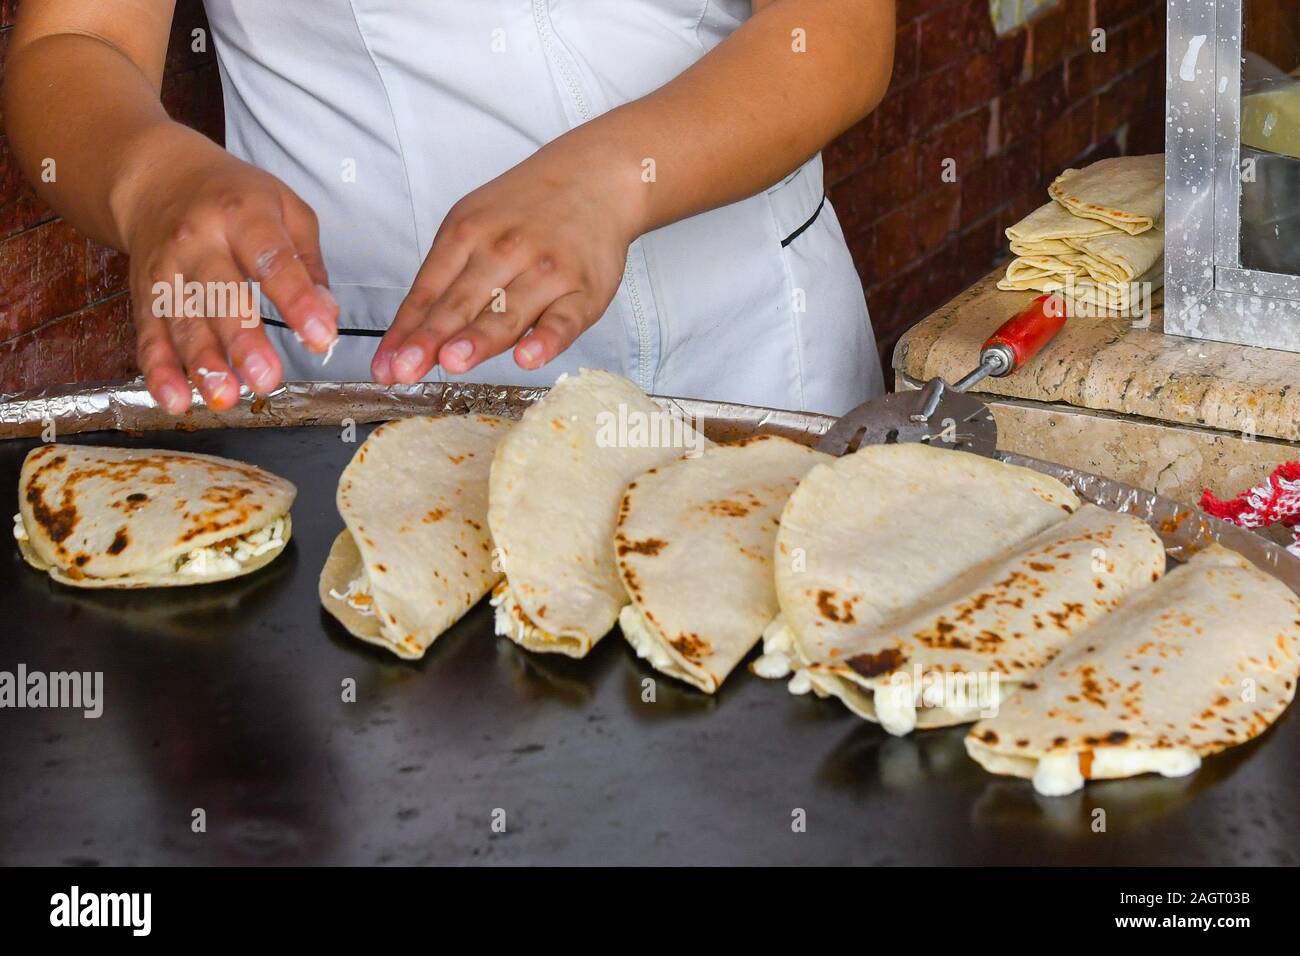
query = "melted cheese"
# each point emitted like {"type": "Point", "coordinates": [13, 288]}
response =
{"type": "Point", "coordinates": [510, 621]}
{"type": "Point", "coordinates": [1058, 774]}
{"type": "Point", "coordinates": [357, 595]}
{"type": "Point", "coordinates": [230, 557]}
{"type": "Point", "coordinates": [646, 643]}
{"type": "Point", "coordinates": [224, 558]}
{"type": "Point", "coordinates": [895, 705]}
{"type": "Point", "coordinates": [778, 657]}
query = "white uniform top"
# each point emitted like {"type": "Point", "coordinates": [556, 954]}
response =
{"type": "Point", "coordinates": [381, 114]}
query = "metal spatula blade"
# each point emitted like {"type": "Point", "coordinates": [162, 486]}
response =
{"type": "Point", "coordinates": [940, 414]}
{"type": "Point", "coordinates": [954, 421]}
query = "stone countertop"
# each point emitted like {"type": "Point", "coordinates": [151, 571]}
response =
{"type": "Point", "coordinates": [1112, 364]}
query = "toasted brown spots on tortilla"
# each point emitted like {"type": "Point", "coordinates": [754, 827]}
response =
{"type": "Point", "coordinates": [1041, 567]}
{"type": "Point", "coordinates": [1068, 610]}
{"type": "Point", "coordinates": [226, 496]}
{"type": "Point", "coordinates": [841, 613]}
{"type": "Point", "coordinates": [131, 503]}
{"type": "Point", "coordinates": [989, 737]}
{"type": "Point", "coordinates": [434, 516]}
{"type": "Point", "coordinates": [1060, 741]}
{"type": "Point", "coordinates": [690, 646]}
{"type": "Point", "coordinates": [120, 541]}
{"type": "Point", "coordinates": [456, 459]}
{"type": "Point", "coordinates": [57, 523]}
{"type": "Point", "coordinates": [873, 665]}
{"type": "Point", "coordinates": [649, 547]}
{"type": "Point", "coordinates": [726, 508]}
{"type": "Point", "coordinates": [81, 559]}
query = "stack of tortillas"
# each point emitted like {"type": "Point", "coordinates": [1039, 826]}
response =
{"type": "Point", "coordinates": [1100, 237]}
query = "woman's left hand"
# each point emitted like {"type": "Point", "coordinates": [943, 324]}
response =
{"type": "Point", "coordinates": [530, 260]}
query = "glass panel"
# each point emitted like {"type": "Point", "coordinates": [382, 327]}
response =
{"type": "Point", "coordinates": [1270, 136]}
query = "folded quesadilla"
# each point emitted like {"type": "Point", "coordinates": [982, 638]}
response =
{"type": "Point", "coordinates": [1205, 659]}
{"type": "Point", "coordinates": [953, 657]}
{"type": "Point", "coordinates": [133, 518]}
{"type": "Point", "coordinates": [871, 537]}
{"type": "Point", "coordinates": [1127, 192]}
{"type": "Point", "coordinates": [557, 481]}
{"type": "Point", "coordinates": [416, 553]}
{"type": "Point", "coordinates": [694, 546]}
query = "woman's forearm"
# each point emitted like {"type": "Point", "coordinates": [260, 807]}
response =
{"type": "Point", "coordinates": [88, 129]}
{"type": "Point", "coordinates": [786, 83]}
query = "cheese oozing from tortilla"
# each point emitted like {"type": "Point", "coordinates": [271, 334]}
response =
{"type": "Point", "coordinates": [357, 595]}
{"type": "Point", "coordinates": [228, 556]}
{"type": "Point", "coordinates": [510, 621]}
{"type": "Point", "coordinates": [1056, 775]}
{"type": "Point", "coordinates": [223, 557]}
{"type": "Point", "coordinates": [649, 646]}
{"type": "Point", "coordinates": [646, 643]}
{"type": "Point", "coordinates": [894, 707]}
{"type": "Point", "coordinates": [778, 657]}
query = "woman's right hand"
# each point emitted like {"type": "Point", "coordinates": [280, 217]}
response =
{"type": "Point", "coordinates": [201, 215]}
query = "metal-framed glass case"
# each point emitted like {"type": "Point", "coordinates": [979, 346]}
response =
{"type": "Point", "coordinates": [1232, 180]}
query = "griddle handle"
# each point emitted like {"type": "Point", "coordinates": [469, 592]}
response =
{"type": "Point", "coordinates": [1025, 335]}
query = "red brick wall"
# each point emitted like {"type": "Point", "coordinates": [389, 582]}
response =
{"type": "Point", "coordinates": [1011, 111]}
{"type": "Point", "coordinates": [63, 301]}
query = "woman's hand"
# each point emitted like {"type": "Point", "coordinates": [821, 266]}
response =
{"type": "Point", "coordinates": [201, 215]}
{"type": "Point", "coordinates": [540, 250]}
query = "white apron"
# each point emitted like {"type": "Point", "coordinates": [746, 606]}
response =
{"type": "Point", "coordinates": [381, 114]}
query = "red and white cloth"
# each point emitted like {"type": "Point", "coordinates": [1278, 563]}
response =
{"type": "Point", "coordinates": [1277, 500]}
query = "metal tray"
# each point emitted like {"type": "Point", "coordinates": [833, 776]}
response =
{"type": "Point", "coordinates": [227, 698]}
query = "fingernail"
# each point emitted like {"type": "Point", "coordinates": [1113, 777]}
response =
{"type": "Point", "coordinates": [408, 361]}
{"type": "Point", "coordinates": [174, 399]}
{"type": "Point", "coordinates": [458, 351]}
{"type": "Point", "coordinates": [317, 332]}
{"type": "Point", "coordinates": [382, 367]}
{"type": "Point", "coordinates": [530, 353]}
{"type": "Point", "coordinates": [257, 370]}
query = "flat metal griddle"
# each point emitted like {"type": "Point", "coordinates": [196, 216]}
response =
{"type": "Point", "coordinates": [226, 697]}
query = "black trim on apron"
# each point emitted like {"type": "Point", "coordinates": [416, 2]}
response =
{"type": "Point", "coordinates": [367, 333]}
{"type": "Point", "coordinates": [802, 229]}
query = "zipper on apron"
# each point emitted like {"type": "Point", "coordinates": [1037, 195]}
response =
{"type": "Point", "coordinates": [558, 56]}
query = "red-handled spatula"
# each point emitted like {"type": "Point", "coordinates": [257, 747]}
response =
{"type": "Point", "coordinates": [940, 414]}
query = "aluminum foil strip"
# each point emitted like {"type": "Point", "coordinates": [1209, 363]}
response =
{"type": "Point", "coordinates": [1183, 530]}
{"type": "Point", "coordinates": [129, 408]}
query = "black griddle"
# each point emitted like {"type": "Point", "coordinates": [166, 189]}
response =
{"type": "Point", "coordinates": [227, 698]}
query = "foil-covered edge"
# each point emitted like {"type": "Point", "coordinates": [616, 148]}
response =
{"type": "Point", "coordinates": [1183, 530]}
{"type": "Point", "coordinates": [129, 408]}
